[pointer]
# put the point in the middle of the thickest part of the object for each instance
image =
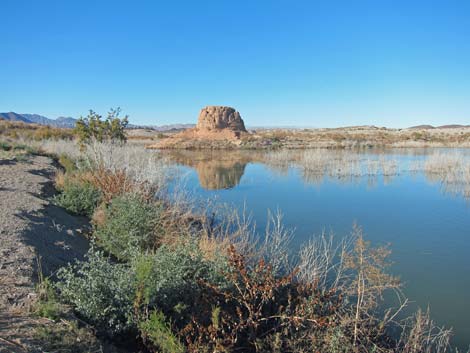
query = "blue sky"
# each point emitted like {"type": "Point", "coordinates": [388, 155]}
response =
{"type": "Point", "coordinates": [305, 63]}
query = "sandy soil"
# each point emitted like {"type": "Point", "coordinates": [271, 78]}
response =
{"type": "Point", "coordinates": [31, 230]}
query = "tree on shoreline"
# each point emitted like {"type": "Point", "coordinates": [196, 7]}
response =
{"type": "Point", "coordinates": [94, 128]}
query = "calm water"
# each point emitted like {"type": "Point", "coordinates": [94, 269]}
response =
{"type": "Point", "coordinates": [425, 215]}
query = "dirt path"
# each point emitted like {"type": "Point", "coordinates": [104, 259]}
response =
{"type": "Point", "coordinates": [31, 228]}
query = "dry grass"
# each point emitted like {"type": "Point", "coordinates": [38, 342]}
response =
{"type": "Point", "coordinates": [114, 183]}
{"type": "Point", "coordinates": [366, 136]}
{"type": "Point", "coordinates": [342, 165]}
{"type": "Point", "coordinates": [59, 180]}
{"type": "Point", "coordinates": [15, 130]}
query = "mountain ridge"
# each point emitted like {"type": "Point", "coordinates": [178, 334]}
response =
{"type": "Point", "coordinates": [64, 122]}
{"type": "Point", "coordinates": [69, 122]}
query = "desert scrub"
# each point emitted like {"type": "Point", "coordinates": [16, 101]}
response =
{"type": "Point", "coordinates": [47, 304]}
{"type": "Point", "coordinates": [67, 162]}
{"type": "Point", "coordinates": [169, 278]}
{"type": "Point", "coordinates": [117, 297]}
{"type": "Point", "coordinates": [78, 197]}
{"type": "Point", "coordinates": [30, 132]}
{"type": "Point", "coordinates": [102, 292]}
{"type": "Point", "coordinates": [259, 305]}
{"type": "Point", "coordinates": [169, 287]}
{"type": "Point", "coordinates": [67, 336]}
{"type": "Point", "coordinates": [157, 331]}
{"type": "Point", "coordinates": [18, 152]}
{"type": "Point", "coordinates": [127, 225]}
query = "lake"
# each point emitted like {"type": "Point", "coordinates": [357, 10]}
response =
{"type": "Point", "coordinates": [418, 200]}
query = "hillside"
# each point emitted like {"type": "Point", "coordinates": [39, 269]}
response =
{"type": "Point", "coordinates": [39, 119]}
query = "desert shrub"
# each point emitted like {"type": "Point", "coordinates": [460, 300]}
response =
{"type": "Point", "coordinates": [15, 151]}
{"type": "Point", "coordinates": [112, 183]}
{"type": "Point", "coordinates": [100, 291]}
{"type": "Point", "coordinates": [157, 331]}
{"type": "Point", "coordinates": [5, 146]}
{"type": "Point", "coordinates": [128, 226]}
{"type": "Point", "coordinates": [47, 132]}
{"type": "Point", "coordinates": [169, 287]}
{"type": "Point", "coordinates": [67, 163]}
{"type": "Point", "coordinates": [170, 279]}
{"type": "Point", "coordinates": [93, 128]}
{"type": "Point", "coordinates": [47, 304]}
{"type": "Point", "coordinates": [78, 197]}
{"type": "Point", "coordinates": [258, 304]}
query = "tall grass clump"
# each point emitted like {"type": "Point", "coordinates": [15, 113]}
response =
{"type": "Point", "coordinates": [451, 170]}
{"type": "Point", "coordinates": [145, 168]}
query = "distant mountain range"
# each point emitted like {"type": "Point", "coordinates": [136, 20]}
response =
{"type": "Point", "coordinates": [450, 126]}
{"type": "Point", "coordinates": [171, 127]}
{"type": "Point", "coordinates": [67, 122]}
{"type": "Point", "coordinates": [39, 119]}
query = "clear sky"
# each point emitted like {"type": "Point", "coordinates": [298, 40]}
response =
{"type": "Point", "coordinates": [306, 63]}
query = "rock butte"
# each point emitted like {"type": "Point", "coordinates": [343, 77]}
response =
{"type": "Point", "coordinates": [218, 117]}
{"type": "Point", "coordinates": [215, 123]}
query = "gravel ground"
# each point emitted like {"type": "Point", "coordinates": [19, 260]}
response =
{"type": "Point", "coordinates": [32, 230]}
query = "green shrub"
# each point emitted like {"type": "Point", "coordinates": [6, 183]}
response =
{"type": "Point", "coordinates": [67, 162]}
{"type": "Point", "coordinates": [80, 198]}
{"type": "Point", "coordinates": [159, 333]}
{"type": "Point", "coordinates": [169, 279]}
{"type": "Point", "coordinates": [102, 292]}
{"type": "Point", "coordinates": [5, 146]}
{"type": "Point", "coordinates": [93, 127]}
{"type": "Point", "coordinates": [168, 284]}
{"type": "Point", "coordinates": [127, 227]}
{"type": "Point", "coordinates": [18, 152]}
{"type": "Point", "coordinates": [47, 305]}
{"type": "Point", "coordinates": [23, 147]}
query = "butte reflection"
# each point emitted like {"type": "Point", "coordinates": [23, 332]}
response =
{"type": "Point", "coordinates": [216, 170]}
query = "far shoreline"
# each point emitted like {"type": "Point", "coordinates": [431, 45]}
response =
{"type": "Point", "coordinates": [357, 137]}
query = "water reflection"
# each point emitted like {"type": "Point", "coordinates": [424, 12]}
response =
{"type": "Point", "coordinates": [224, 169]}
{"type": "Point", "coordinates": [428, 232]}
{"type": "Point", "coordinates": [215, 170]}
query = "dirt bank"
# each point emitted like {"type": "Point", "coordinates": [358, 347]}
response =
{"type": "Point", "coordinates": [31, 228]}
